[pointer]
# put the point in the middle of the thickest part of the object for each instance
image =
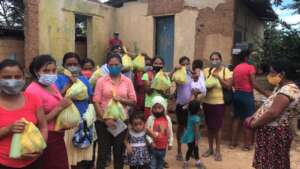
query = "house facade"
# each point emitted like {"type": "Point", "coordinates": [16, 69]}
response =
{"type": "Point", "coordinates": [168, 28]}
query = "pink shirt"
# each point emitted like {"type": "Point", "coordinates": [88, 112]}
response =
{"type": "Point", "coordinates": [242, 77]}
{"type": "Point", "coordinates": [105, 88]}
{"type": "Point", "coordinates": [7, 117]}
{"type": "Point", "coordinates": [49, 100]}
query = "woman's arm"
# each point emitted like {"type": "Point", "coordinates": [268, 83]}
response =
{"type": "Point", "coordinates": [5, 131]}
{"type": "Point", "coordinates": [99, 110]}
{"type": "Point", "coordinates": [42, 123]}
{"type": "Point", "coordinates": [17, 127]}
{"type": "Point", "coordinates": [60, 107]}
{"type": "Point", "coordinates": [281, 102]}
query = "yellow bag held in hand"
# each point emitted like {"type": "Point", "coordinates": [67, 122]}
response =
{"type": "Point", "coordinates": [211, 82]}
{"type": "Point", "coordinates": [68, 118]}
{"type": "Point", "coordinates": [127, 62]}
{"type": "Point", "coordinates": [30, 141]}
{"type": "Point", "coordinates": [78, 91]}
{"type": "Point", "coordinates": [96, 75]}
{"type": "Point", "coordinates": [180, 76]}
{"type": "Point", "coordinates": [114, 110]}
{"type": "Point", "coordinates": [139, 63]}
{"type": "Point", "coordinates": [161, 81]}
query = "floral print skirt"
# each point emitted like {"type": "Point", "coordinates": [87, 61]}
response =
{"type": "Point", "coordinates": [272, 148]}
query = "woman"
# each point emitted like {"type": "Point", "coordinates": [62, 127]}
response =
{"type": "Point", "coordinates": [43, 71]}
{"type": "Point", "coordinates": [122, 87]}
{"type": "Point", "coordinates": [273, 129]}
{"type": "Point", "coordinates": [243, 82]}
{"type": "Point", "coordinates": [71, 62]}
{"type": "Point", "coordinates": [87, 67]}
{"type": "Point", "coordinates": [157, 65]}
{"type": "Point", "coordinates": [214, 107]}
{"type": "Point", "coordinates": [14, 105]}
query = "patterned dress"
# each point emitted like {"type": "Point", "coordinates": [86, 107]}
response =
{"type": "Point", "coordinates": [273, 141]}
{"type": "Point", "coordinates": [140, 154]}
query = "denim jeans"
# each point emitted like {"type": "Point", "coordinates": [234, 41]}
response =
{"type": "Point", "coordinates": [157, 159]}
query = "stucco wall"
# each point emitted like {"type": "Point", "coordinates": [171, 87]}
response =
{"type": "Point", "coordinates": [248, 23]}
{"type": "Point", "coordinates": [185, 33]}
{"type": "Point", "coordinates": [136, 28]}
{"type": "Point", "coordinates": [12, 46]}
{"type": "Point", "coordinates": [57, 27]}
{"type": "Point", "coordinates": [215, 29]}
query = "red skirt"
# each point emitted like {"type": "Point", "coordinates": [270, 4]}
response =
{"type": "Point", "coordinates": [55, 156]}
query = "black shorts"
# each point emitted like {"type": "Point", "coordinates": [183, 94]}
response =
{"type": "Point", "coordinates": [182, 115]}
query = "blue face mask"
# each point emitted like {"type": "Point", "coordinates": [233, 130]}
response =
{"type": "Point", "coordinates": [47, 79]}
{"type": "Point", "coordinates": [114, 70]}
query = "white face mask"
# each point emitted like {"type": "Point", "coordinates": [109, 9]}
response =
{"type": "Point", "coordinates": [11, 86]}
{"type": "Point", "coordinates": [47, 79]}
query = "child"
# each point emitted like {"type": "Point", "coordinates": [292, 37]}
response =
{"type": "Point", "coordinates": [136, 145]}
{"type": "Point", "coordinates": [198, 83]}
{"type": "Point", "coordinates": [191, 134]}
{"type": "Point", "coordinates": [160, 123]}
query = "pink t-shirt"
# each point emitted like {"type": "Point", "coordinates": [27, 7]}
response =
{"type": "Point", "coordinates": [105, 88]}
{"type": "Point", "coordinates": [242, 77]}
{"type": "Point", "coordinates": [7, 117]}
{"type": "Point", "coordinates": [160, 127]}
{"type": "Point", "coordinates": [49, 100]}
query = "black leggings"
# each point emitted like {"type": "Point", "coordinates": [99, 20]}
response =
{"type": "Point", "coordinates": [192, 149]}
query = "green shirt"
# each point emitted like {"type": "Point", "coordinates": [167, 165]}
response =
{"type": "Point", "coordinates": [148, 98]}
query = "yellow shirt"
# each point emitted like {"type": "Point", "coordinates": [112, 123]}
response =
{"type": "Point", "coordinates": [215, 94]}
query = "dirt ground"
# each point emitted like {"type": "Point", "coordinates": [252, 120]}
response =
{"type": "Point", "coordinates": [232, 159]}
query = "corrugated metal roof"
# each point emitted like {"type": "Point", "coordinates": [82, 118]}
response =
{"type": "Point", "coordinates": [262, 8]}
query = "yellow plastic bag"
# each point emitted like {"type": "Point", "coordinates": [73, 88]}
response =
{"type": "Point", "coordinates": [68, 118]}
{"type": "Point", "coordinates": [139, 63]}
{"type": "Point", "coordinates": [30, 141]}
{"type": "Point", "coordinates": [90, 115]}
{"type": "Point", "coordinates": [96, 75]}
{"type": "Point", "coordinates": [211, 82]}
{"type": "Point", "coordinates": [180, 76]}
{"type": "Point", "coordinates": [62, 70]}
{"type": "Point", "coordinates": [127, 62]}
{"type": "Point", "coordinates": [77, 91]}
{"type": "Point", "coordinates": [114, 110]}
{"type": "Point", "coordinates": [161, 81]}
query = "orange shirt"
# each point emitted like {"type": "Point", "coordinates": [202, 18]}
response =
{"type": "Point", "coordinates": [8, 117]}
{"type": "Point", "coordinates": [105, 87]}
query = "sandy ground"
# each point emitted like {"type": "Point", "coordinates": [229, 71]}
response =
{"type": "Point", "coordinates": [232, 159]}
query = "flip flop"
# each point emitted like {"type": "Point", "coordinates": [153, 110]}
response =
{"type": "Point", "coordinates": [208, 153]}
{"type": "Point", "coordinates": [218, 157]}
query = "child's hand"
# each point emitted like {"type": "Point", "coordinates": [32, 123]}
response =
{"type": "Point", "coordinates": [129, 149]}
{"type": "Point", "coordinates": [110, 123]}
{"type": "Point", "coordinates": [169, 147]}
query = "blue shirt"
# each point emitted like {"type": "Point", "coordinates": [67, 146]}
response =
{"type": "Point", "coordinates": [82, 105]}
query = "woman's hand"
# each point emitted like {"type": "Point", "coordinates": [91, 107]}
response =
{"type": "Point", "coordinates": [64, 103]}
{"type": "Point", "coordinates": [18, 126]}
{"type": "Point", "coordinates": [31, 155]}
{"type": "Point", "coordinates": [118, 99]}
{"type": "Point", "coordinates": [248, 123]}
{"type": "Point", "coordinates": [110, 123]}
{"type": "Point", "coordinates": [216, 74]}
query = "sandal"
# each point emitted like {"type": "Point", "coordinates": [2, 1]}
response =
{"type": "Point", "coordinates": [246, 148]}
{"type": "Point", "coordinates": [208, 153]}
{"type": "Point", "coordinates": [232, 146]}
{"type": "Point", "coordinates": [218, 157]}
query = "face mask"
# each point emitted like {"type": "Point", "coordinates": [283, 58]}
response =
{"type": "Point", "coordinates": [157, 68]}
{"type": "Point", "coordinates": [87, 73]}
{"type": "Point", "coordinates": [251, 61]}
{"type": "Point", "coordinates": [158, 114]}
{"type": "Point", "coordinates": [148, 68]}
{"type": "Point", "coordinates": [11, 86]}
{"type": "Point", "coordinates": [274, 79]}
{"type": "Point", "coordinates": [47, 79]}
{"type": "Point", "coordinates": [74, 69]}
{"type": "Point", "coordinates": [114, 70]}
{"type": "Point", "coordinates": [215, 63]}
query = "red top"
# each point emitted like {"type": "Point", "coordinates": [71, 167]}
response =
{"type": "Point", "coordinates": [242, 77]}
{"type": "Point", "coordinates": [161, 128]}
{"type": "Point", "coordinates": [115, 42]}
{"type": "Point", "coordinates": [7, 117]}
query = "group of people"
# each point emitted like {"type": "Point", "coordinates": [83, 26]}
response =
{"type": "Point", "coordinates": [205, 96]}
